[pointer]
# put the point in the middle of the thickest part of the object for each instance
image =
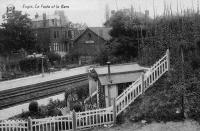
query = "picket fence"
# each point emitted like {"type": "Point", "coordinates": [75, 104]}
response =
{"type": "Point", "coordinates": [93, 118]}
{"type": "Point", "coordinates": [73, 121]}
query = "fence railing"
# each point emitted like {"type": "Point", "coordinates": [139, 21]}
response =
{"type": "Point", "coordinates": [13, 125]}
{"type": "Point", "coordinates": [92, 118]}
{"type": "Point", "coordinates": [143, 82]}
{"type": "Point", "coordinates": [59, 123]}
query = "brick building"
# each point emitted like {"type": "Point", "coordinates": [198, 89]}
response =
{"type": "Point", "coordinates": [54, 32]}
{"type": "Point", "coordinates": [90, 42]}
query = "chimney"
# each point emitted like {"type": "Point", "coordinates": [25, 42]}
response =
{"type": "Point", "coordinates": [36, 15]}
{"type": "Point", "coordinates": [112, 12]}
{"type": "Point", "coordinates": [44, 19]}
{"type": "Point", "coordinates": [44, 16]}
{"type": "Point", "coordinates": [109, 75]}
{"type": "Point", "coordinates": [146, 13]}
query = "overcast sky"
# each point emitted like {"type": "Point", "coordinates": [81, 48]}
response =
{"type": "Point", "coordinates": [92, 12]}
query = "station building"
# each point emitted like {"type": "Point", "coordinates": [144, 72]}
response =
{"type": "Point", "coordinates": [105, 86]}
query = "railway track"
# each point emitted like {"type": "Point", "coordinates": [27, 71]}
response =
{"type": "Point", "coordinates": [23, 94]}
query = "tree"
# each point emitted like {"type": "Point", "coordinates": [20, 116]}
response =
{"type": "Point", "coordinates": [17, 33]}
{"type": "Point", "coordinates": [126, 31]}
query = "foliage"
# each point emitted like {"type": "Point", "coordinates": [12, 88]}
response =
{"type": "Point", "coordinates": [77, 107]}
{"type": "Point", "coordinates": [120, 118]}
{"type": "Point", "coordinates": [33, 107]}
{"type": "Point", "coordinates": [17, 33]}
{"type": "Point", "coordinates": [33, 65]}
{"type": "Point", "coordinates": [179, 34]}
{"type": "Point", "coordinates": [150, 40]}
{"type": "Point", "coordinates": [102, 57]}
{"type": "Point", "coordinates": [76, 97]}
{"type": "Point", "coordinates": [72, 57]}
{"type": "Point", "coordinates": [52, 107]}
{"type": "Point", "coordinates": [126, 32]}
{"type": "Point", "coordinates": [159, 103]}
{"type": "Point", "coordinates": [53, 57]}
{"type": "Point", "coordinates": [125, 48]}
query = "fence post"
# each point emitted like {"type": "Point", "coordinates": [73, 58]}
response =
{"type": "Point", "coordinates": [74, 120]}
{"type": "Point", "coordinates": [168, 60]}
{"type": "Point", "coordinates": [114, 111]}
{"type": "Point", "coordinates": [29, 124]}
{"type": "Point", "coordinates": [143, 83]}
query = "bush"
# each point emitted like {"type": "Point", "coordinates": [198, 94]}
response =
{"type": "Point", "coordinates": [54, 58]}
{"type": "Point", "coordinates": [33, 106]}
{"type": "Point", "coordinates": [82, 93]}
{"type": "Point", "coordinates": [120, 118]}
{"type": "Point", "coordinates": [33, 65]}
{"type": "Point", "coordinates": [77, 107]}
{"type": "Point", "coordinates": [52, 107]}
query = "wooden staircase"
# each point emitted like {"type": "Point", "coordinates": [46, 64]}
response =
{"type": "Point", "coordinates": [143, 83]}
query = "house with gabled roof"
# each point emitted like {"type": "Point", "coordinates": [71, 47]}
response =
{"type": "Point", "coordinates": [90, 42]}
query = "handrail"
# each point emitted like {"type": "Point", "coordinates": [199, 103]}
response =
{"type": "Point", "coordinates": [94, 93]}
{"type": "Point", "coordinates": [129, 88]}
{"type": "Point", "coordinates": [154, 73]}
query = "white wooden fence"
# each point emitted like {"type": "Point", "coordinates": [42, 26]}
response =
{"type": "Point", "coordinates": [93, 118]}
{"type": "Point", "coordinates": [59, 123]}
{"type": "Point", "coordinates": [73, 121]}
{"type": "Point", "coordinates": [13, 125]}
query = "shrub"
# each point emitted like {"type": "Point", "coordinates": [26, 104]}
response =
{"type": "Point", "coordinates": [54, 58]}
{"type": "Point", "coordinates": [77, 107]}
{"type": "Point", "coordinates": [33, 106]}
{"type": "Point", "coordinates": [33, 65]}
{"type": "Point", "coordinates": [120, 118]}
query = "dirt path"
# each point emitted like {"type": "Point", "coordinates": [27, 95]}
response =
{"type": "Point", "coordinates": [187, 125]}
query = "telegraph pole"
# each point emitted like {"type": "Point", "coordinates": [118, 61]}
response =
{"type": "Point", "coordinates": [183, 82]}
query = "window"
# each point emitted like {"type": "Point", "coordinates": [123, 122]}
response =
{"type": "Point", "coordinates": [53, 21]}
{"type": "Point", "coordinates": [65, 34]}
{"type": "Point", "coordinates": [44, 23]}
{"type": "Point", "coordinates": [54, 34]}
{"type": "Point", "coordinates": [67, 48]}
{"type": "Point", "coordinates": [50, 49]}
{"type": "Point", "coordinates": [69, 34]}
{"type": "Point", "coordinates": [55, 47]}
{"type": "Point", "coordinates": [89, 36]}
{"type": "Point", "coordinates": [57, 34]}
